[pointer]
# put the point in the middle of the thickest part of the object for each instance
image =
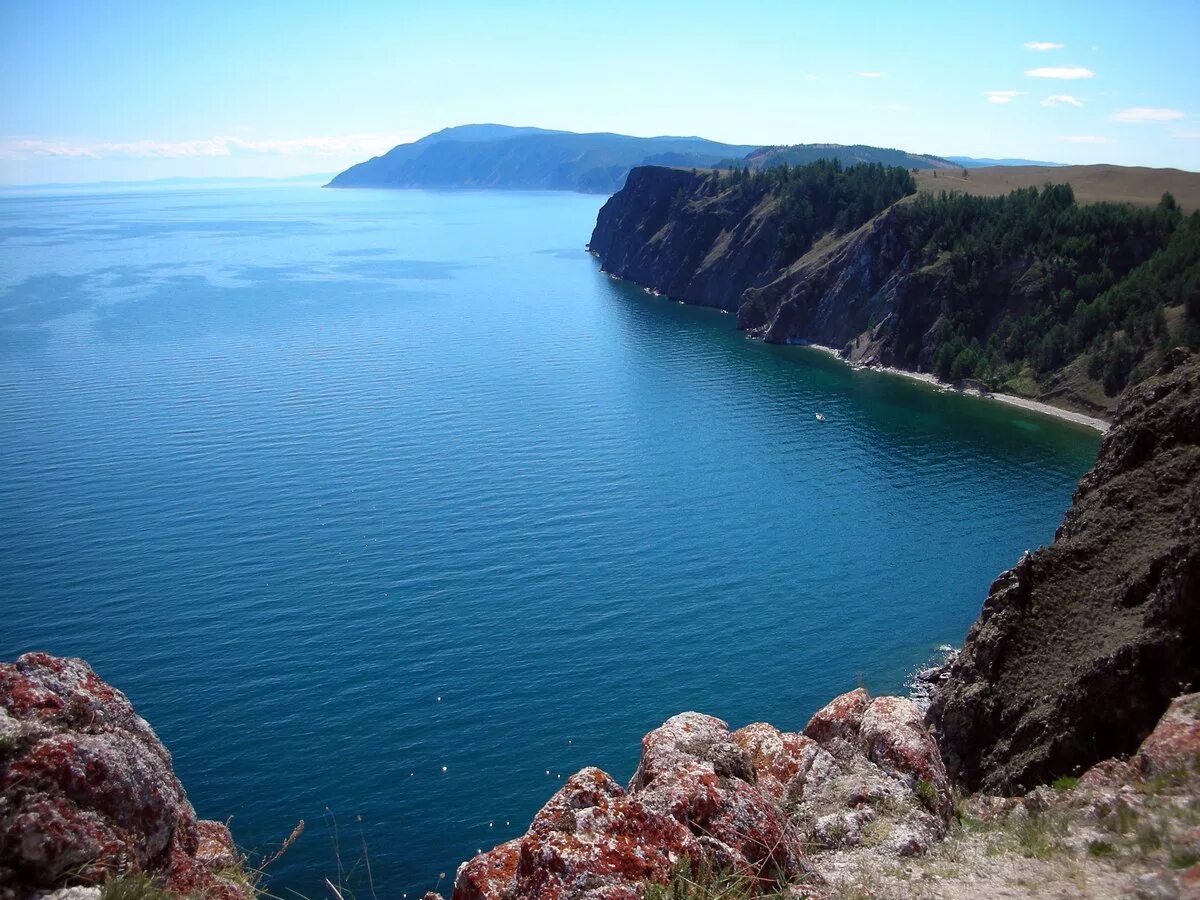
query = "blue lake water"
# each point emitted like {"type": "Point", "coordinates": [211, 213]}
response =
{"type": "Point", "coordinates": [345, 487]}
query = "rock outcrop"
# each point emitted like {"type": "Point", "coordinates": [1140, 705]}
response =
{"type": "Point", "coordinates": [1081, 646]}
{"type": "Point", "coordinates": [692, 238]}
{"type": "Point", "coordinates": [756, 802]}
{"type": "Point", "coordinates": [885, 293]}
{"type": "Point", "coordinates": [87, 792]}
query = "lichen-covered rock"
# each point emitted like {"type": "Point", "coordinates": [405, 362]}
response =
{"type": "Point", "coordinates": [778, 757]}
{"type": "Point", "coordinates": [875, 779]}
{"type": "Point", "coordinates": [894, 737]}
{"type": "Point", "coordinates": [693, 770]}
{"type": "Point", "coordinates": [87, 791]}
{"type": "Point", "coordinates": [590, 840]}
{"type": "Point", "coordinates": [688, 737]}
{"type": "Point", "coordinates": [748, 802]}
{"type": "Point", "coordinates": [835, 726]}
{"type": "Point", "coordinates": [693, 798]}
{"type": "Point", "coordinates": [1175, 741]}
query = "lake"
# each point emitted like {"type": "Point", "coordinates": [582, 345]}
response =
{"type": "Point", "coordinates": [388, 509]}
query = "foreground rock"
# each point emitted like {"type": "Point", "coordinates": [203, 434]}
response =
{"type": "Point", "coordinates": [1126, 829]}
{"type": "Point", "coordinates": [755, 802]}
{"type": "Point", "coordinates": [87, 791]}
{"type": "Point", "coordinates": [1081, 646]}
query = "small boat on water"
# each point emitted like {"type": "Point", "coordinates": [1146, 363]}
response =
{"type": "Point", "coordinates": [820, 417]}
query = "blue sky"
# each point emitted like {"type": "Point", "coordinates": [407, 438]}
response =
{"type": "Point", "coordinates": [128, 90]}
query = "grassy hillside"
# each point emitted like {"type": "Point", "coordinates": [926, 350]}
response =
{"type": "Point", "coordinates": [1091, 184]}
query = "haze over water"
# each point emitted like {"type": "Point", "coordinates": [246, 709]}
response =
{"type": "Point", "coordinates": [342, 488]}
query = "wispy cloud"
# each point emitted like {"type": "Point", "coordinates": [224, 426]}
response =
{"type": "Point", "coordinates": [872, 74]}
{"type": "Point", "coordinates": [1043, 46]}
{"type": "Point", "coordinates": [1140, 114]}
{"type": "Point", "coordinates": [324, 145]}
{"type": "Point", "coordinates": [1070, 73]}
{"type": "Point", "coordinates": [1001, 96]}
{"type": "Point", "coordinates": [1061, 100]}
{"type": "Point", "coordinates": [1086, 139]}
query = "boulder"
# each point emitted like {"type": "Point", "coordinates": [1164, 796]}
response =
{"type": "Point", "coordinates": [87, 791]}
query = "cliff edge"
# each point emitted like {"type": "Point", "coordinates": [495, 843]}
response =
{"type": "Point", "coordinates": [1081, 646]}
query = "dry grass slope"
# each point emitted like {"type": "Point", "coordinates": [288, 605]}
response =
{"type": "Point", "coordinates": [1122, 184]}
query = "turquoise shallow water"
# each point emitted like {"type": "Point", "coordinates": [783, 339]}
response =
{"type": "Point", "coordinates": [345, 487]}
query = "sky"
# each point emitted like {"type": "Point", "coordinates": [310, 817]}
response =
{"type": "Point", "coordinates": [130, 90]}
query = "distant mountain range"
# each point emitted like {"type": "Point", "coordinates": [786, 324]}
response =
{"type": "Point", "coordinates": [500, 156]}
{"type": "Point", "coordinates": [504, 157]}
{"type": "Point", "coordinates": [974, 162]}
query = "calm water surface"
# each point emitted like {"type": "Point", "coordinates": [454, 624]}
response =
{"type": "Point", "coordinates": [343, 488]}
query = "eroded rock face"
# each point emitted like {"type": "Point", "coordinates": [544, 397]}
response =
{"type": "Point", "coordinates": [87, 791]}
{"type": "Point", "coordinates": [746, 802]}
{"type": "Point", "coordinates": [1082, 645]}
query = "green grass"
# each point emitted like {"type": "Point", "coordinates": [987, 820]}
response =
{"type": "Point", "coordinates": [928, 796]}
{"type": "Point", "coordinates": [134, 887]}
{"type": "Point", "coordinates": [692, 882]}
{"type": "Point", "coordinates": [1120, 820]}
{"type": "Point", "coordinates": [1064, 782]}
{"type": "Point", "coordinates": [1037, 836]}
{"type": "Point", "coordinates": [1101, 849]}
{"type": "Point", "coordinates": [1184, 858]}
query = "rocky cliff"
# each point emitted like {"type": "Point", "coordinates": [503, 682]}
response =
{"type": "Point", "coordinates": [924, 285]}
{"type": "Point", "coordinates": [1081, 646]}
{"type": "Point", "coordinates": [87, 792]}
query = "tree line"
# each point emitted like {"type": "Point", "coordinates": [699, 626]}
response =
{"type": "Point", "coordinates": [1025, 282]}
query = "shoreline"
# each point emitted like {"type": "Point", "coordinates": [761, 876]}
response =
{"type": "Point", "coordinates": [1036, 406]}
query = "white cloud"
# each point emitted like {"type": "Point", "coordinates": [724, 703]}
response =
{"type": "Point", "coordinates": [1061, 100]}
{"type": "Point", "coordinates": [1139, 114]}
{"type": "Point", "coordinates": [1068, 72]}
{"type": "Point", "coordinates": [325, 145]}
{"type": "Point", "coordinates": [1001, 96]}
{"type": "Point", "coordinates": [1042, 46]}
{"type": "Point", "coordinates": [1086, 139]}
{"type": "Point", "coordinates": [872, 74]}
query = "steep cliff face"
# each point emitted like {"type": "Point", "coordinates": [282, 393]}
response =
{"type": "Point", "coordinates": [1026, 292]}
{"type": "Point", "coordinates": [87, 792]}
{"type": "Point", "coordinates": [680, 234]}
{"type": "Point", "coordinates": [1081, 646]}
{"type": "Point", "coordinates": [690, 238]}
